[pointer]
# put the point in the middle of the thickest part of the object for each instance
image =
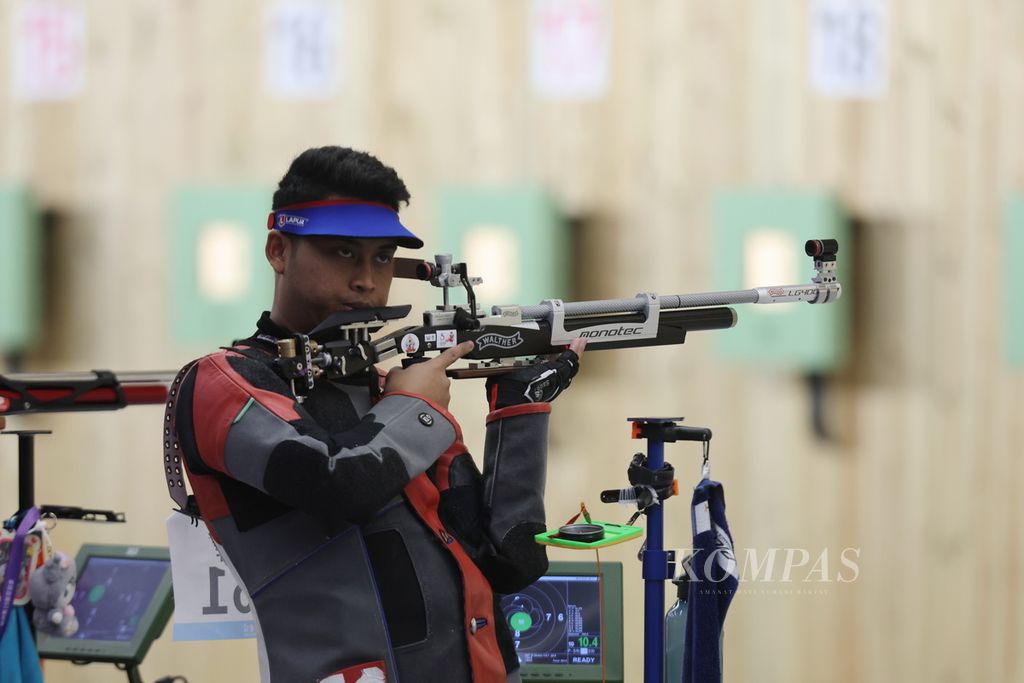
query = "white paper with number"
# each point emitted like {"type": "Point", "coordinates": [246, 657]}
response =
{"type": "Point", "coordinates": [49, 45]}
{"type": "Point", "coordinates": [848, 48]}
{"type": "Point", "coordinates": [209, 604]}
{"type": "Point", "coordinates": [301, 49]}
{"type": "Point", "coordinates": [570, 48]}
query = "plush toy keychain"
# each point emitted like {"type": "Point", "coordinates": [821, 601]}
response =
{"type": "Point", "coordinates": [36, 550]}
{"type": "Point", "coordinates": [51, 588]}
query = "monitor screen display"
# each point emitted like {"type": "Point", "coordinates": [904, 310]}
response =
{"type": "Point", "coordinates": [556, 620]}
{"type": "Point", "coordinates": [113, 594]}
{"type": "Point", "coordinates": [122, 602]}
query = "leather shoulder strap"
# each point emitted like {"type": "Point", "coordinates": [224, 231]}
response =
{"type": "Point", "coordinates": [173, 468]}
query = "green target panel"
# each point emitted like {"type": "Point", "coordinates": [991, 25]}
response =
{"type": "Point", "coordinates": [221, 280]}
{"type": "Point", "coordinates": [759, 242]}
{"type": "Point", "coordinates": [512, 237]}
{"type": "Point", "coordinates": [21, 281]}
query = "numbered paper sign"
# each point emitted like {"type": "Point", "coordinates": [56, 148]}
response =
{"type": "Point", "coordinates": [208, 603]}
{"type": "Point", "coordinates": [48, 40]}
{"type": "Point", "coordinates": [848, 48]}
{"type": "Point", "coordinates": [570, 47]}
{"type": "Point", "coordinates": [301, 49]}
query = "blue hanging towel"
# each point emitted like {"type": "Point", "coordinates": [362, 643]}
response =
{"type": "Point", "coordinates": [714, 579]}
{"type": "Point", "coordinates": [19, 662]}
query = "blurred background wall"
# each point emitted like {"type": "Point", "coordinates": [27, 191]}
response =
{"type": "Point", "coordinates": [920, 470]}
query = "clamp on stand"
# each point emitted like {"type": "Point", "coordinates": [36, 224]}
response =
{"type": "Point", "coordinates": [653, 481]}
{"type": "Point", "coordinates": [649, 487]}
{"type": "Point", "coordinates": [27, 484]}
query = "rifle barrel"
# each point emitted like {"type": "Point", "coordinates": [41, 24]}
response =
{"type": "Point", "coordinates": [636, 304]}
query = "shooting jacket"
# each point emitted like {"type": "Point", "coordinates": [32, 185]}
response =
{"type": "Point", "coordinates": [361, 527]}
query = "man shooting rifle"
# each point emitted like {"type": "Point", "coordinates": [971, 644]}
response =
{"type": "Point", "coordinates": [363, 530]}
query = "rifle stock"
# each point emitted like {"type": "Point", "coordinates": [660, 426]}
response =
{"type": "Point", "coordinates": [505, 348]}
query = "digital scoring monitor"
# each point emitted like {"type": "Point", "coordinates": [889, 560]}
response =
{"type": "Point", "coordinates": [122, 602]}
{"type": "Point", "coordinates": [557, 627]}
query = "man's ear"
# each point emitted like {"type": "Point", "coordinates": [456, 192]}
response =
{"type": "Point", "coordinates": [278, 249]}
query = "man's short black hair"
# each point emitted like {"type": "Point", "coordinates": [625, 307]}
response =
{"type": "Point", "coordinates": [325, 172]}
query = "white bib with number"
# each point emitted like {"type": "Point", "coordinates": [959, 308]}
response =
{"type": "Point", "coordinates": [209, 604]}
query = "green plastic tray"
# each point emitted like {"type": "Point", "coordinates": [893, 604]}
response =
{"type": "Point", "coordinates": [613, 533]}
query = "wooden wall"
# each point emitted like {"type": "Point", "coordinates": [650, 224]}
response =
{"type": "Point", "coordinates": [922, 472]}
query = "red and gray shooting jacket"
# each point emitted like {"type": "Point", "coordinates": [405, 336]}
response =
{"type": "Point", "coordinates": [361, 527]}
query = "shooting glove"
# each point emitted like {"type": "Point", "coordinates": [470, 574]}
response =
{"type": "Point", "coordinates": [539, 383]}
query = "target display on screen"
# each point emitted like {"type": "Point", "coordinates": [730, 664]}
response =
{"type": "Point", "coordinates": [122, 602]}
{"type": "Point", "coordinates": [556, 620]}
{"type": "Point", "coordinates": [113, 594]}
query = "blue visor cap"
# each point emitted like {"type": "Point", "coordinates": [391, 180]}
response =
{"type": "Point", "coordinates": [343, 218]}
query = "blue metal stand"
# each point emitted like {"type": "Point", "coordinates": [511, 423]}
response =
{"type": "Point", "coordinates": [658, 564]}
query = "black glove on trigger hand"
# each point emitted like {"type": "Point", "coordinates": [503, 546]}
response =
{"type": "Point", "coordinates": [540, 383]}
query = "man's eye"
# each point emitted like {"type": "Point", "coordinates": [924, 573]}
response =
{"type": "Point", "coordinates": [345, 251]}
{"type": "Point", "coordinates": [385, 258]}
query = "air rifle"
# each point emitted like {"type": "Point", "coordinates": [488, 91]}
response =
{"type": "Point", "coordinates": [512, 336]}
{"type": "Point", "coordinates": [507, 338]}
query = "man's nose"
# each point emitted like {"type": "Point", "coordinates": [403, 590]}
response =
{"type": "Point", "coordinates": [363, 277]}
